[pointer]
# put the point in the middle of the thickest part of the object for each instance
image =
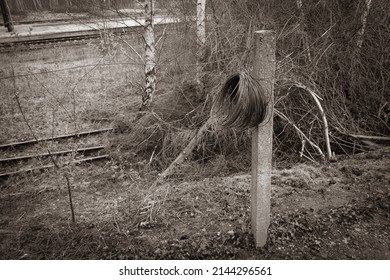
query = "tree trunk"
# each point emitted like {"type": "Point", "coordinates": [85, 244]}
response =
{"type": "Point", "coordinates": [201, 39]}
{"type": "Point", "coordinates": [306, 44]}
{"type": "Point", "coordinates": [20, 5]}
{"type": "Point", "coordinates": [359, 41]}
{"type": "Point", "coordinates": [200, 22]}
{"type": "Point", "coordinates": [7, 16]}
{"type": "Point", "coordinates": [37, 4]}
{"type": "Point", "coordinates": [354, 74]}
{"type": "Point", "coordinates": [150, 57]}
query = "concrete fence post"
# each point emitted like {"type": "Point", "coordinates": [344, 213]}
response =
{"type": "Point", "coordinates": [263, 70]}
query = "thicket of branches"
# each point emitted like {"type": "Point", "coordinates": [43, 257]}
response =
{"type": "Point", "coordinates": [335, 50]}
{"type": "Point", "coordinates": [322, 46]}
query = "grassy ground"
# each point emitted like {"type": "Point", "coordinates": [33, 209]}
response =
{"type": "Point", "coordinates": [335, 211]}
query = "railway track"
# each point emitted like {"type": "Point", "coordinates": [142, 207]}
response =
{"type": "Point", "coordinates": [61, 39]}
{"type": "Point", "coordinates": [45, 42]}
{"type": "Point", "coordinates": [27, 156]}
{"type": "Point", "coordinates": [37, 41]}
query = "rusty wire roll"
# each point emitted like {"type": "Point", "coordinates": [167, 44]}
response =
{"type": "Point", "coordinates": [242, 102]}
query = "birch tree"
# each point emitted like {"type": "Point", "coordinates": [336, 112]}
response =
{"type": "Point", "coordinates": [150, 57]}
{"type": "Point", "coordinates": [53, 4]}
{"type": "Point", "coordinates": [356, 57]}
{"type": "Point", "coordinates": [21, 6]}
{"type": "Point", "coordinates": [201, 38]}
{"type": "Point", "coordinates": [360, 35]}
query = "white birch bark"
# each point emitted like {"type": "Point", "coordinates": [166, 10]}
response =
{"type": "Point", "coordinates": [150, 57]}
{"type": "Point", "coordinates": [360, 35]}
{"type": "Point", "coordinates": [356, 56]}
{"type": "Point", "coordinates": [201, 37]}
{"type": "Point", "coordinates": [200, 22]}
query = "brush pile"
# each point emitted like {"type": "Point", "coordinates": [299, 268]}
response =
{"type": "Point", "coordinates": [317, 56]}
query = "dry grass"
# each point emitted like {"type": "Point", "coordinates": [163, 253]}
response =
{"type": "Point", "coordinates": [318, 213]}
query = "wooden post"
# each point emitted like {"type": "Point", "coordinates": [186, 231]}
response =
{"type": "Point", "coordinates": [263, 70]}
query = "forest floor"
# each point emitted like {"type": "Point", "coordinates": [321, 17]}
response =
{"type": "Point", "coordinates": [339, 210]}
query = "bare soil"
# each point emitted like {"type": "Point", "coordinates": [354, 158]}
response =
{"type": "Point", "coordinates": [338, 210]}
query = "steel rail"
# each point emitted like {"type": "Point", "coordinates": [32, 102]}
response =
{"type": "Point", "coordinates": [59, 153]}
{"type": "Point", "coordinates": [65, 136]}
{"type": "Point", "coordinates": [39, 168]}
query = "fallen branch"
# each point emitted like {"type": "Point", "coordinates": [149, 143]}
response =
{"type": "Point", "coordinates": [179, 160]}
{"type": "Point", "coordinates": [316, 99]}
{"type": "Point", "coordinates": [284, 117]}
{"type": "Point", "coordinates": [365, 137]}
{"type": "Point", "coordinates": [187, 150]}
{"type": "Point", "coordinates": [185, 153]}
{"type": "Point", "coordinates": [369, 137]}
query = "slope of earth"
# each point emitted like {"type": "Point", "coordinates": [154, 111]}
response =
{"type": "Point", "coordinates": [334, 211]}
